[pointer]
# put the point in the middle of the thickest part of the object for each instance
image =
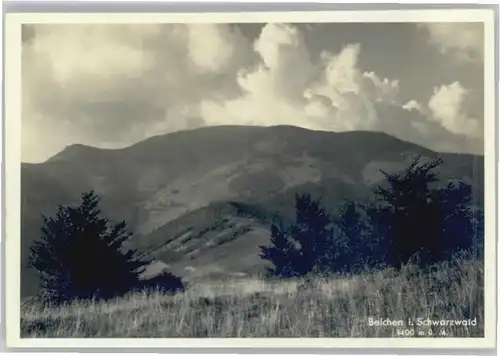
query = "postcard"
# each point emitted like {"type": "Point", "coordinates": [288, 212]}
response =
{"type": "Point", "coordinates": [319, 179]}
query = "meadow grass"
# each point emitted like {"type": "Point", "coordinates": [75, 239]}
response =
{"type": "Point", "coordinates": [319, 307]}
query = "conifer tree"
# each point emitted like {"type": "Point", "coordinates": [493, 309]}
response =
{"type": "Point", "coordinates": [304, 246]}
{"type": "Point", "coordinates": [83, 255]}
{"type": "Point", "coordinates": [416, 219]}
{"type": "Point", "coordinates": [281, 253]}
{"type": "Point", "coordinates": [352, 247]}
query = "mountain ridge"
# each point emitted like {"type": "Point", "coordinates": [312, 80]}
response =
{"type": "Point", "coordinates": [78, 146]}
{"type": "Point", "coordinates": [179, 177]}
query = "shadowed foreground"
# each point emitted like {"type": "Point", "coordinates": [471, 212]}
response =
{"type": "Point", "coordinates": [333, 307]}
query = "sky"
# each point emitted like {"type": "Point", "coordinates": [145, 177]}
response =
{"type": "Point", "coordinates": [110, 86]}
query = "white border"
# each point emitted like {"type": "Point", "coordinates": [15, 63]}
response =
{"type": "Point", "coordinates": [12, 136]}
{"type": "Point", "coordinates": [451, 15]}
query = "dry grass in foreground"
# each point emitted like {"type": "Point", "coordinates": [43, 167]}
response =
{"type": "Point", "coordinates": [339, 307]}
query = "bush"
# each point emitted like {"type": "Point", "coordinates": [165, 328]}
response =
{"type": "Point", "coordinates": [163, 282]}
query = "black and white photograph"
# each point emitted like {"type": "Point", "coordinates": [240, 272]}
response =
{"type": "Point", "coordinates": [252, 176]}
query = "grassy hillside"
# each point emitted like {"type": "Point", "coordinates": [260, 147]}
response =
{"type": "Point", "coordinates": [208, 242]}
{"type": "Point", "coordinates": [335, 307]}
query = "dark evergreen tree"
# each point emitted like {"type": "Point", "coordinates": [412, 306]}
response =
{"type": "Point", "coordinates": [353, 248]}
{"type": "Point", "coordinates": [416, 220]}
{"type": "Point", "coordinates": [312, 232]}
{"type": "Point", "coordinates": [304, 246]}
{"type": "Point", "coordinates": [282, 253]}
{"type": "Point", "coordinates": [478, 232]}
{"type": "Point", "coordinates": [82, 255]}
{"type": "Point", "coordinates": [463, 225]}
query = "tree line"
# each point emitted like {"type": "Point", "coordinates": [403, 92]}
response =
{"type": "Point", "coordinates": [82, 255]}
{"type": "Point", "coordinates": [408, 220]}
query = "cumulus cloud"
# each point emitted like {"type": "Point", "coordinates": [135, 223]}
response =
{"type": "Point", "coordinates": [288, 88]}
{"type": "Point", "coordinates": [336, 94]}
{"type": "Point", "coordinates": [273, 90]}
{"type": "Point", "coordinates": [446, 106]}
{"type": "Point", "coordinates": [464, 40]}
{"type": "Point", "coordinates": [413, 105]}
{"type": "Point", "coordinates": [215, 48]}
{"type": "Point", "coordinates": [119, 84]}
{"type": "Point", "coordinates": [113, 85]}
